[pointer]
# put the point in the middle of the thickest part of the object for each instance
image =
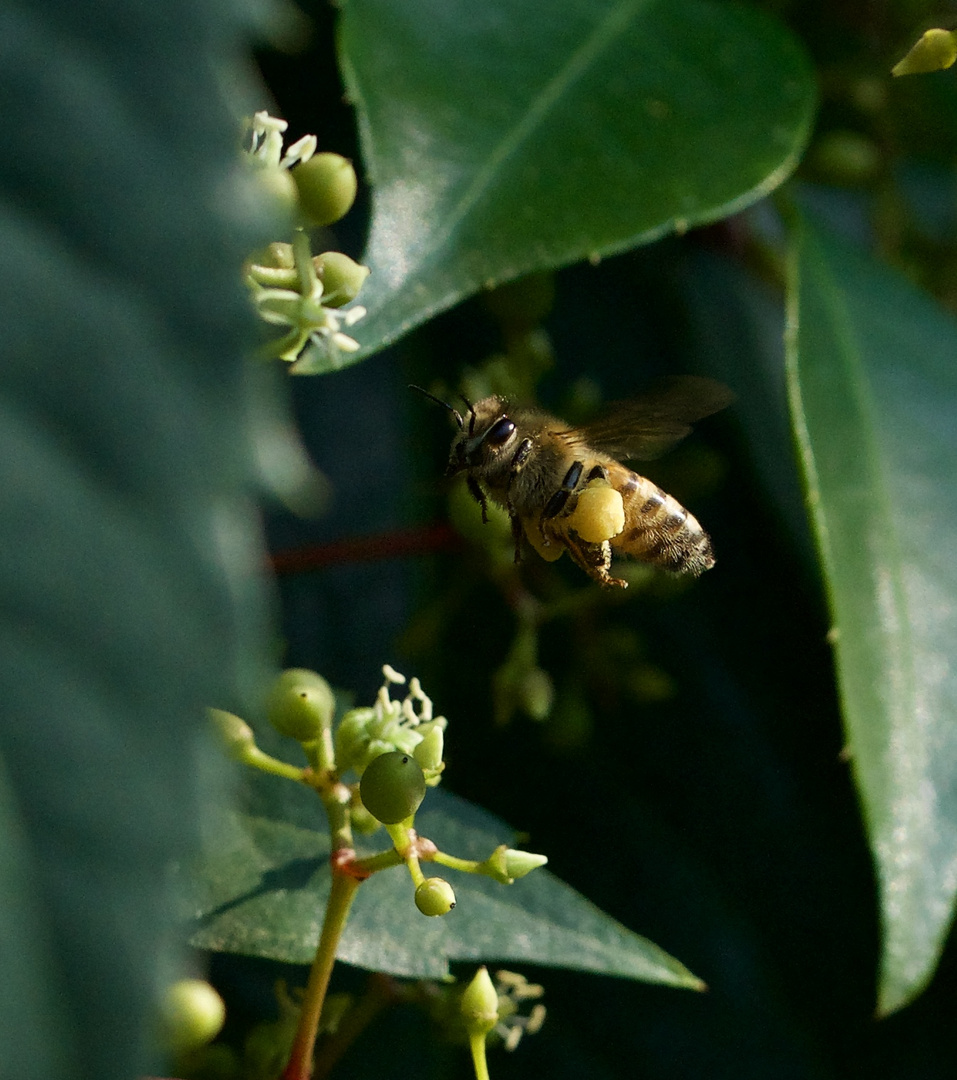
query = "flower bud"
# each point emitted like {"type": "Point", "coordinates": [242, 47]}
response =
{"type": "Point", "coordinates": [934, 51]}
{"type": "Point", "coordinates": [352, 738]}
{"type": "Point", "coordinates": [327, 187]}
{"type": "Point", "coordinates": [278, 256]}
{"type": "Point", "coordinates": [236, 735]}
{"type": "Point", "coordinates": [429, 751]}
{"type": "Point", "coordinates": [341, 277]}
{"type": "Point", "coordinates": [520, 863]}
{"type": "Point", "coordinates": [434, 897]}
{"type": "Point", "coordinates": [392, 787]}
{"type": "Point", "coordinates": [192, 1015]}
{"type": "Point", "coordinates": [479, 1005]}
{"type": "Point", "coordinates": [300, 704]}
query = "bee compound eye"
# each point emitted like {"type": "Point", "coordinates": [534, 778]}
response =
{"type": "Point", "coordinates": [500, 432]}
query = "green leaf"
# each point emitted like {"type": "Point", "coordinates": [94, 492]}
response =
{"type": "Point", "coordinates": [129, 584]}
{"type": "Point", "coordinates": [512, 136]}
{"type": "Point", "coordinates": [873, 386]}
{"type": "Point", "coordinates": [263, 889]}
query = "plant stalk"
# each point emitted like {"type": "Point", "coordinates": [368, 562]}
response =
{"type": "Point", "coordinates": [341, 895]}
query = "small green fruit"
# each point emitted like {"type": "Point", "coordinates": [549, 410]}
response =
{"type": "Point", "coordinates": [341, 277]}
{"type": "Point", "coordinates": [276, 184]}
{"type": "Point", "coordinates": [192, 1014]}
{"type": "Point", "coordinates": [300, 704]}
{"type": "Point", "coordinates": [327, 187]}
{"type": "Point", "coordinates": [434, 897]}
{"type": "Point", "coordinates": [392, 787]}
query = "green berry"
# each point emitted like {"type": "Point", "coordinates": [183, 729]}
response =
{"type": "Point", "coordinates": [434, 897]}
{"type": "Point", "coordinates": [276, 184]}
{"type": "Point", "coordinates": [327, 187]}
{"type": "Point", "coordinates": [392, 787]}
{"type": "Point", "coordinates": [341, 277]}
{"type": "Point", "coordinates": [192, 1014]}
{"type": "Point", "coordinates": [300, 704]}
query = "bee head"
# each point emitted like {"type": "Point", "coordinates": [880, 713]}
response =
{"type": "Point", "coordinates": [487, 431]}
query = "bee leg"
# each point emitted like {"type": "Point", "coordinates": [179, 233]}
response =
{"type": "Point", "coordinates": [594, 559]}
{"type": "Point", "coordinates": [520, 456]}
{"type": "Point", "coordinates": [478, 495]}
{"type": "Point", "coordinates": [556, 504]}
{"type": "Point", "coordinates": [598, 473]}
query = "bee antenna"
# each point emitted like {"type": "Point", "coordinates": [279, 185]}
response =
{"type": "Point", "coordinates": [471, 409]}
{"type": "Point", "coordinates": [444, 404]}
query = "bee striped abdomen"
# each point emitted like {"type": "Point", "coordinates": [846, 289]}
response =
{"type": "Point", "coordinates": [659, 530]}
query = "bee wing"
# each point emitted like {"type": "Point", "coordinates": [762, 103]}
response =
{"type": "Point", "coordinates": [647, 425]}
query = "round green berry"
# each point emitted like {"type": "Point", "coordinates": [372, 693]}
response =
{"type": "Point", "coordinates": [300, 704]}
{"type": "Point", "coordinates": [434, 897]}
{"type": "Point", "coordinates": [276, 184]}
{"type": "Point", "coordinates": [192, 1014]}
{"type": "Point", "coordinates": [392, 787]}
{"type": "Point", "coordinates": [327, 187]}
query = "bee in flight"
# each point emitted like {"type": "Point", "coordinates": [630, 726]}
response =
{"type": "Point", "coordinates": [565, 489]}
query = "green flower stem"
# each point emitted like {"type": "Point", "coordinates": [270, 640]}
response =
{"type": "Point", "coordinates": [258, 759]}
{"type": "Point", "coordinates": [385, 860]}
{"type": "Point", "coordinates": [302, 256]}
{"type": "Point", "coordinates": [341, 895]}
{"type": "Point", "coordinates": [466, 866]}
{"type": "Point", "coordinates": [479, 1062]}
{"type": "Point", "coordinates": [335, 799]}
{"type": "Point", "coordinates": [403, 841]}
{"type": "Point", "coordinates": [321, 754]}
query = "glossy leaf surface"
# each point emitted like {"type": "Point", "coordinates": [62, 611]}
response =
{"type": "Point", "coordinates": [519, 135]}
{"type": "Point", "coordinates": [263, 890]}
{"type": "Point", "coordinates": [873, 387]}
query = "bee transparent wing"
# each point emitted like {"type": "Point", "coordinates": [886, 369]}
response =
{"type": "Point", "coordinates": [647, 425]}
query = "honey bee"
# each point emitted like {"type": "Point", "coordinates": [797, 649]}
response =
{"type": "Point", "coordinates": [565, 488]}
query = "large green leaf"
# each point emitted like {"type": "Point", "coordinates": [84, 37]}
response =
{"type": "Point", "coordinates": [129, 593]}
{"type": "Point", "coordinates": [516, 135]}
{"type": "Point", "coordinates": [262, 890]}
{"type": "Point", "coordinates": [873, 384]}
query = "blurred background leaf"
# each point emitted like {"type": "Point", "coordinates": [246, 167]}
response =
{"type": "Point", "coordinates": [129, 585]}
